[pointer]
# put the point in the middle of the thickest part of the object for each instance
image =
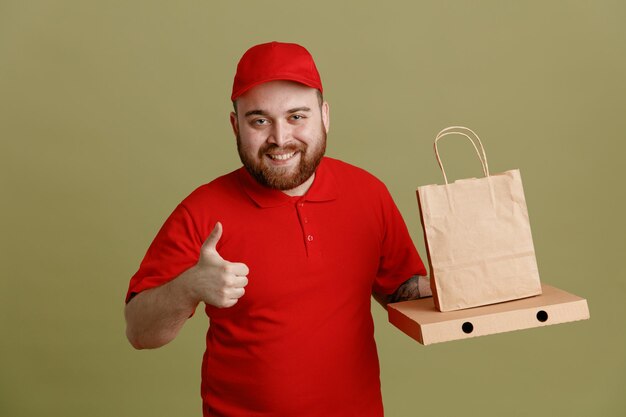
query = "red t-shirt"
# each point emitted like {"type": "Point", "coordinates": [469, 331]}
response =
{"type": "Point", "coordinates": [300, 342]}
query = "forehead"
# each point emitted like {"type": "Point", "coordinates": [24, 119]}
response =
{"type": "Point", "coordinates": [277, 96]}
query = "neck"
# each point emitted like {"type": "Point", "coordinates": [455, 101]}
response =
{"type": "Point", "coordinates": [301, 189]}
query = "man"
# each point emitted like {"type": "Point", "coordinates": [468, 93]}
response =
{"type": "Point", "coordinates": [285, 252]}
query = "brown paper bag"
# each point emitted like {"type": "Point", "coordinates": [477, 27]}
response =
{"type": "Point", "coordinates": [478, 238]}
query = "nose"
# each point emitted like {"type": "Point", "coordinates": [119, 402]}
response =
{"type": "Point", "coordinates": [279, 134]}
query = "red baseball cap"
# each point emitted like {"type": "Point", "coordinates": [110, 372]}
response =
{"type": "Point", "coordinates": [275, 61]}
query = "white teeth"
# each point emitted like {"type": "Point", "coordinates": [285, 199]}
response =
{"type": "Point", "coordinates": [282, 157]}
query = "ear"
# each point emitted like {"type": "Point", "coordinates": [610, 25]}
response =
{"type": "Point", "coordinates": [326, 116]}
{"type": "Point", "coordinates": [234, 122]}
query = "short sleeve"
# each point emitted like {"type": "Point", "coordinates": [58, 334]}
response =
{"type": "Point", "coordinates": [399, 259]}
{"type": "Point", "coordinates": [175, 249]}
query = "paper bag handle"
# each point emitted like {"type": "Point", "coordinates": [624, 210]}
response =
{"type": "Point", "coordinates": [454, 130]}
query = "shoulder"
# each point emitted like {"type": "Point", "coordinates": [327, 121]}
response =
{"type": "Point", "coordinates": [343, 168]}
{"type": "Point", "coordinates": [349, 175]}
{"type": "Point", "coordinates": [222, 199]}
{"type": "Point", "coordinates": [222, 188]}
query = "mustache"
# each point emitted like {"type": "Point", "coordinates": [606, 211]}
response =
{"type": "Point", "coordinates": [273, 148]}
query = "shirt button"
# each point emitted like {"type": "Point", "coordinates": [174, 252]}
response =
{"type": "Point", "coordinates": [309, 238]}
{"type": "Point", "coordinates": [306, 220]}
{"type": "Point", "coordinates": [301, 204]}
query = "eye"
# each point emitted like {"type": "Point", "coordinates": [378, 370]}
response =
{"type": "Point", "coordinates": [297, 117]}
{"type": "Point", "coordinates": [260, 122]}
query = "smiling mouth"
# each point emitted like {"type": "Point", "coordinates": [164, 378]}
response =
{"type": "Point", "coordinates": [281, 157]}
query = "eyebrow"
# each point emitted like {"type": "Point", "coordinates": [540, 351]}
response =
{"type": "Point", "coordinates": [259, 112]}
{"type": "Point", "coordinates": [256, 112]}
{"type": "Point", "coordinates": [298, 109]}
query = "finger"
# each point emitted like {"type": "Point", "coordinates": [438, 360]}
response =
{"type": "Point", "coordinates": [211, 242]}
{"type": "Point", "coordinates": [239, 269]}
{"type": "Point", "coordinates": [236, 293]}
{"type": "Point", "coordinates": [228, 303]}
{"type": "Point", "coordinates": [239, 282]}
{"type": "Point", "coordinates": [230, 297]}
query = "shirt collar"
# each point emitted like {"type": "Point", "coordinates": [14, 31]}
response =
{"type": "Point", "coordinates": [324, 188]}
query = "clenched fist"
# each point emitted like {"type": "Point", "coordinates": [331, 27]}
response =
{"type": "Point", "coordinates": [216, 281]}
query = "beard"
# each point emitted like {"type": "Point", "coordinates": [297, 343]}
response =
{"type": "Point", "coordinates": [284, 178]}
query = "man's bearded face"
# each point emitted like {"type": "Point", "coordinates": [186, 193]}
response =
{"type": "Point", "coordinates": [281, 129]}
{"type": "Point", "coordinates": [270, 164]}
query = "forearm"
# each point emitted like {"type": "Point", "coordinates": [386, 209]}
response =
{"type": "Point", "coordinates": [412, 289]}
{"type": "Point", "coordinates": [155, 316]}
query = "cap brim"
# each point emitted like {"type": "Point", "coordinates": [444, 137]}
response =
{"type": "Point", "coordinates": [290, 77]}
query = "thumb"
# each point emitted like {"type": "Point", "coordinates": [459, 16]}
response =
{"type": "Point", "coordinates": [211, 242]}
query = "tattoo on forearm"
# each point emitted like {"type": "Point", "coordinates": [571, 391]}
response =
{"type": "Point", "coordinates": [407, 291]}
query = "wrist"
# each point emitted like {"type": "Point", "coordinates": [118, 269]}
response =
{"type": "Point", "coordinates": [423, 287]}
{"type": "Point", "coordinates": [186, 288]}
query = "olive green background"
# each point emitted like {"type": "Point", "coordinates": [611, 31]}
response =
{"type": "Point", "coordinates": [111, 112]}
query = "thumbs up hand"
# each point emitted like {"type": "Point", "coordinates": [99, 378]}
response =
{"type": "Point", "coordinates": [216, 281]}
